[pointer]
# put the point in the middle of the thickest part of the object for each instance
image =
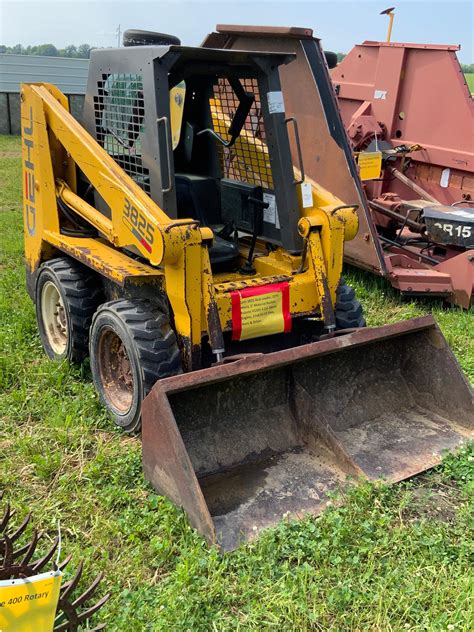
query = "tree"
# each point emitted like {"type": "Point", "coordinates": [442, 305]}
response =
{"type": "Point", "coordinates": [69, 51]}
{"type": "Point", "coordinates": [47, 50]}
{"type": "Point", "coordinates": [84, 51]}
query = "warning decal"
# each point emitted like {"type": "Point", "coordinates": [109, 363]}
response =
{"type": "Point", "coordinates": [275, 102]}
{"type": "Point", "coordinates": [261, 311]}
{"type": "Point", "coordinates": [370, 164]}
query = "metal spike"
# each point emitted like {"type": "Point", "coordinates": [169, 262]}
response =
{"type": "Point", "coordinates": [45, 559]}
{"type": "Point", "coordinates": [69, 587]}
{"type": "Point", "coordinates": [21, 528]}
{"type": "Point", "coordinates": [5, 518]}
{"type": "Point", "coordinates": [8, 551]}
{"type": "Point", "coordinates": [72, 620]}
{"type": "Point", "coordinates": [19, 552]}
{"type": "Point", "coordinates": [31, 549]}
{"type": "Point", "coordinates": [89, 592]}
{"type": "Point", "coordinates": [62, 565]}
{"type": "Point", "coordinates": [90, 611]}
{"type": "Point", "coordinates": [64, 627]}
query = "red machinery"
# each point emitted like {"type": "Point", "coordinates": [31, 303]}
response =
{"type": "Point", "coordinates": [410, 105]}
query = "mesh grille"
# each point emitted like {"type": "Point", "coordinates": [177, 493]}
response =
{"type": "Point", "coordinates": [248, 159]}
{"type": "Point", "coordinates": [119, 116]}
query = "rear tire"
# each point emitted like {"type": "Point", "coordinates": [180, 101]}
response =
{"type": "Point", "coordinates": [331, 59]}
{"type": "Point", "coordinates": [349, 313]}
{"type": "Point", "coordinates": [135, 37]}
{"type": "Point", "coordinates": [132, 345]}
{"type": "Point", "coordinates": [66, 296]}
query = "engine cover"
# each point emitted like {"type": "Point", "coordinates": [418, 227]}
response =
{"type": "Point", "coordinates": [452, 225]}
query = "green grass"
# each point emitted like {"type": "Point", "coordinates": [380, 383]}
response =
{"type": "Point", "coordinates": [386, 559]}
{"type": "Point", "coordinates": [470, 80]}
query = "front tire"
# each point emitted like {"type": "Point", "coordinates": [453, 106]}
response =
{"type": "Point", "coordinates": [349, 313]}
{"type": "Point", "coordinates": [66, 296]}
{"type": "Point", "coordinates": [132, 345]}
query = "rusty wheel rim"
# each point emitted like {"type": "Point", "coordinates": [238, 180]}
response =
{"type": "Point", "coordinates": [54, 318]}
{"type": "Point", "coordinates": [115, 371]}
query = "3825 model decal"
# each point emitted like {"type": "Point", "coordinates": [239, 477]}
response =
{"type": "Point", "coordinates": [137, 223]}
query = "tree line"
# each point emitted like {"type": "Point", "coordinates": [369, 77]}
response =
{"type": "Point", "coordinates": [82, 51]}
{"type": "Point", "coordinates": [79, 52]}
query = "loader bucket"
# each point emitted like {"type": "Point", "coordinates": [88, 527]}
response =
{"type": "Point", "coordinates": [243, 444]}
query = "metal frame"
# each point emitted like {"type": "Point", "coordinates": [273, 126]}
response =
{"type": "Point", "coordinates": [162, 67]}
{"type": "Point", "coordinates": [309, 98]}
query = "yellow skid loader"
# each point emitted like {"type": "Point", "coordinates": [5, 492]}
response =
{"type": "Point", "coordinates": [170, 238]}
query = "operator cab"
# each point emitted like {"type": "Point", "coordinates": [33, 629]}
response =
{"type": "Point", "coordinates": [203, 132]}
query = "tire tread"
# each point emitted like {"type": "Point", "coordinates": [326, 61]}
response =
{"type": "Point", "coordinates": [154, 339]}
{"type": "Point", "coordinates": [84, 294]}
{"type": "Point", "coordinates": [349, 312]}
{"type": "Point", "coordinates": [156, 349]}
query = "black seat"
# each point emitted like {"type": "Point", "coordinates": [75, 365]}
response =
{"type": "Point", "coordinates": [199, 197]}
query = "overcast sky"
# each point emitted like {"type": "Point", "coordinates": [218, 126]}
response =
{"type": "Point", "coordinates": [339, 24]}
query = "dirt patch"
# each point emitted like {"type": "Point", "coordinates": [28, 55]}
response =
{"type": "Point", "coordinates": [10, 154]}
{"type": "Point", "coordinates": [440, 502]}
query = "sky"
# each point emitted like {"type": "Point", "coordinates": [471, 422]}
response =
{"type": "Point", "coordinates": [339, 24]}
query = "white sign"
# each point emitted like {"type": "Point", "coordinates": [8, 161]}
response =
{"type": "Point", "coordinates": [270, 214]}
{"type": "Point", "coordinates": [275, 102]}
{"type": "Point", "coordinates": [307, 194]}
{"type": "Point", "coordinates": [380, 94]}
{"type": "Point", "coordinates": [444, 180]}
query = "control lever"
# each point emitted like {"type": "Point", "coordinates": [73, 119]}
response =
{"type": "Point", "coordinates": [257, 206]}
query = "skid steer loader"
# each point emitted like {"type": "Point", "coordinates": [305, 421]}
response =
{"type": "Point", "coordinates": [170, 238]}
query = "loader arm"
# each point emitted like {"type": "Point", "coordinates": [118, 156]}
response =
{"type": "Point", "coordinates": [135, 219]}
{"type": "Point", "coordinates": [50, 133]}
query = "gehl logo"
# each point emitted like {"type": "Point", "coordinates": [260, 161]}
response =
{"type": "Point", "coordinates": [30, 208]}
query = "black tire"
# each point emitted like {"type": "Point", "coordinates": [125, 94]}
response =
{"type": "Point", "coordinates": [79, 294]}
{"type": "Point", "coordinates": [349, 313]}
{"type": "Point", "coordinates": [132, 345]}
{"type": "Point", "coordinates": [136, 37]}
{"type": "Point", "coordinates": [331, 59]}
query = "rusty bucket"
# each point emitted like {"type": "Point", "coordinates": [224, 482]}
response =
{"type": "Point", "coordinates": [243, 444]}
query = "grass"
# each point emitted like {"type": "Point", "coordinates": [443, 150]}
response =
{"type": "Point", "coordinates": [470, 80]}
{"type": "Point", "coordinates": [386, 559]}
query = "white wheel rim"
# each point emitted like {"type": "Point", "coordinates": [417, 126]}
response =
{"type": "Point", "coordinates": [54, 318]}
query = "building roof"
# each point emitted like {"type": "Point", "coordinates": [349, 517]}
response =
{"type": "Point", "coordinates": [69, 75]}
